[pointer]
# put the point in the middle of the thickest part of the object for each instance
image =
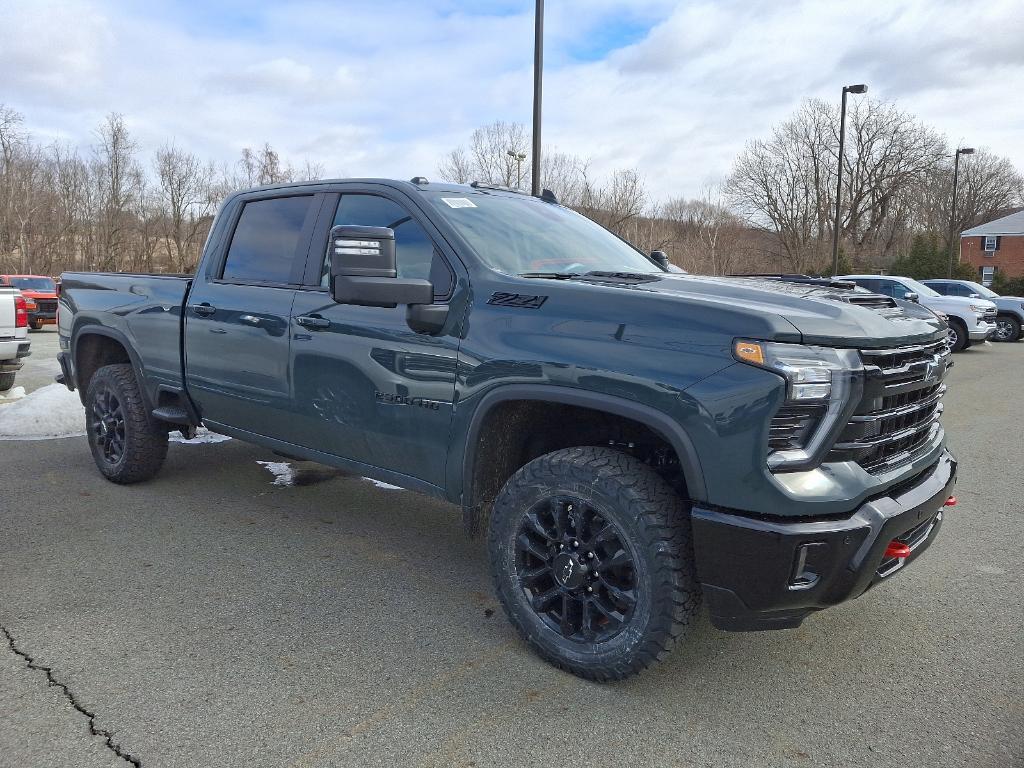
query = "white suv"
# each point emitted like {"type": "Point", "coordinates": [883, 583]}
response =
{"type": "Point", "coordinates": [970, 319]}
{"type": "Point", "coordinates": [14, 343]}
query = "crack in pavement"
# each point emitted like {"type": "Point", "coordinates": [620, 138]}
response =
{"type": "Point", "coordinates": [94, 729]}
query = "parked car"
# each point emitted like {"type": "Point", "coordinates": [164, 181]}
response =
{"type": "Point", "coordinates": [636, 439]}
{"type": "Point", "coordinates": [42, 291]}
{"type": "Point", "coordinates": [14, 342]}
{"type": "Point", "coordinates": [1010, 317]}
{"type": "Point", "coordinates": [970, 320]}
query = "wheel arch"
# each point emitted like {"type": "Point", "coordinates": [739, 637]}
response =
{"type": "Point", "coordinates": [92, 347]}
{"type": "Point", "coordinates": [658, 422]}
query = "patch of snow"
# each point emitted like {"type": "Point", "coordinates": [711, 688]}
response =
{"type": "Point", "coordinates": [203, 436]}
{"type": "Point", "coordinates": [283, 472]}
{"type": "Point", "coordinates": [385, 486]}
{"type": "Point", "coordinates": [12, 394]}
{"type": "Point", "coordinates": [48, 413]}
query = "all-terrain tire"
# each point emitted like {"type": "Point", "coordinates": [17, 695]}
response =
{"type": "Point", "coordinates": [650, 520]}
{"type": "Point", "coordinates": [141, 448]}
{"type": "Point", "coordinates": [7, 380]}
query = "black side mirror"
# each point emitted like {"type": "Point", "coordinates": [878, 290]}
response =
{"type": "Point", "coordinates": [364, 273]}
{"type": "Point", "coordinates": [660, 258]}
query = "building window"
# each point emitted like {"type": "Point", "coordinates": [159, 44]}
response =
{"type": "Point", "coordinates": [987, 275]}
{"type": "Point", "coordinates": [991, 243]}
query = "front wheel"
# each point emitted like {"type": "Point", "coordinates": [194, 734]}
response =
{"type": "Point", "coordinates": [593, 561]}
{"type": "Point", "coordinates": [958, 338]}
{"type": "Point", "coordinates": [126, 443]}
{"type": "Point", "coordinates": [7, 380]}
{"type": "Point", "coordinates": [1007, 328]}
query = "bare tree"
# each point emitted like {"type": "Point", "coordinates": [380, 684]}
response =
{"type": "Point", "coordinates": [707, 234]}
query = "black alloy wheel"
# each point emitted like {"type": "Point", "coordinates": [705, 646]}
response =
{"type": "Point", "coordinates": [575, 569]}
{"type": "Point", "coordinates": [107, 425]}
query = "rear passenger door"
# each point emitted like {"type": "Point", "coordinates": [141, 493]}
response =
{"type": "Point", "coordinates": [236, 322]}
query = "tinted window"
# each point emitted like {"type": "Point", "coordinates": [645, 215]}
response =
{"type": "Point", "coordinates": [414, 252]}
{"type": "Point", "coordinates": [34, 284]}
{"type": "Point", "coordinates": [266, 239]}
{"type": "Point", "coordinates": [944, 288]}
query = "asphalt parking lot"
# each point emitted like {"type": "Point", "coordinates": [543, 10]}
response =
{"type": "Point", "coordinates": [209, 617]}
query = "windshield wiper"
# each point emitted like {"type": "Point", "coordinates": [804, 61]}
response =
{"type": "Point", "coordinates": [551, 275]}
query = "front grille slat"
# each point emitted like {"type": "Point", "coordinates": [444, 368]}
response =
{"type": "Point", "coordinates": [898, 415]}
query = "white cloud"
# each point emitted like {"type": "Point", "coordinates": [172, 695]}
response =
{"type": "Point", "coordinates": [386, 88]}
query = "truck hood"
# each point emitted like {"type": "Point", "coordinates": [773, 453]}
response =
{"type": "Point", "coordinates": [819, 315]}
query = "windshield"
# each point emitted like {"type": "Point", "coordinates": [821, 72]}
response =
{"type": "Point", "coordinates": [981, 290]}
{"type": "Point", "coordinates": [520, 234]}
{"type": "Point", "coordinates": [919, 288]}
{"type": "Point", "coordinates": [34, 284]}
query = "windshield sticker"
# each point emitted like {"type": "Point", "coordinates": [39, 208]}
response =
{"type": "Point", "coordinates": [459, 202]}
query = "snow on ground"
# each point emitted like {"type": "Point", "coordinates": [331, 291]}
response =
{"type": "Point", "coordinates": [203, 435]}
{"type": "Point", "coordinates": [283, 472]}
{"type": "Point", "coordinates": [11, 395]}
{"type": "Point", "coordinates": [50, 412]}
{"type": "Point", "coordinates": [385, 486]}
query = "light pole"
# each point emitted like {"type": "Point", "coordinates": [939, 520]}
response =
{"type": "Point", "coordinates": [538, 73]}
{"type": "Point", "coordinates": [518, 157]}
{"type": "Point", "coordinates": [952, 214]}
{"type": "Point", "coordinates": [839, 172]}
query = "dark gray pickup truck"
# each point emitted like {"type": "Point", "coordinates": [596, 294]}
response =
{"type": "Point", "coordinates": [635, 441]}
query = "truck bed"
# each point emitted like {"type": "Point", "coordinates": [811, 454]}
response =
{"type": "Point", "coordinates": [143, 310]}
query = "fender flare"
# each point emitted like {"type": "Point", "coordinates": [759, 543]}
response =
{"type": "Point", "coordinates": [656, 420]}
{"type": "Point", "coordinates": [111, 333]}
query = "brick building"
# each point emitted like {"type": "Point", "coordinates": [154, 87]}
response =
{"type": "Point", "coordinates": [997, 246]}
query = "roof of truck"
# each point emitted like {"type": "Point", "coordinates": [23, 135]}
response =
{"type": "Point", "coordinates": [417, 184]}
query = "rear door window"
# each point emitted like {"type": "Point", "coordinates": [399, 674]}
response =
{"type": "Point", "coordinates": [269, 237]}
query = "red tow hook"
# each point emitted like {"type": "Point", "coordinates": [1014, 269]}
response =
{"type": "Point", "coordinates": [897, 549]}
{"type": "Point", "coordinates": [950, 502]}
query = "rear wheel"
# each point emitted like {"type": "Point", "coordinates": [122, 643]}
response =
{"type": "Point", "coordinates": [593, 561]}
{"type": "Point", "coordinates": [1007, 328]}
{"type": "Point", "coordinates": [127, 444]}
{"type": "Point", "coordinates": [958, 339]}
{"type": "Point", "coordinates": [35, 325]}
{"type": "Point", "coordinates": [7, 380]}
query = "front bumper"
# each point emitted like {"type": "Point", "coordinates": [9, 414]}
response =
{"type": "Point", "coordinates": [983, 330]}
{"type": "Point", "coordinates": [771, 574]}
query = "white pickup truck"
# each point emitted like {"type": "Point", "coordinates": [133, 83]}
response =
{"type": "Point", "coordinates": [14, 343]}
{"type": "Point", "coordinates": [970, 319]}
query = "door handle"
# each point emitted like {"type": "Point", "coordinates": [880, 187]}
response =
{"type": "Point", "coordinates": [204, 310]}
{"type": "Point", "coordinates": [308, 321]}
{"type": "Point", "coordinates": [249, 319]}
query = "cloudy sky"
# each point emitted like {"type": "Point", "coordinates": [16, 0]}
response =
{"type": "Point", "coordinates": [384, 88]}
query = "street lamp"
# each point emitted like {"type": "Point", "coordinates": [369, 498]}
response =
{"type": "Point", "coordinates": [518, 157]}
{"type": "Point", "coordinates": [861, 88]}
{"type": "Point", "coordinates": [538, 71]}
{"type": "Point", "coordinates": [952, 214]}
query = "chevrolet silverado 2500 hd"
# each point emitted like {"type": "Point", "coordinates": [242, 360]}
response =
{"type": "Point", "coordinates": [636, 441]}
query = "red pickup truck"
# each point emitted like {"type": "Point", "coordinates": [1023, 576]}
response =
{"type": "Point", "coordinates": [41, 291]}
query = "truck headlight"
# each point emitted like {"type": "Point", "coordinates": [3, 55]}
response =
{"type": "Point", "coordinates": [978, 308]}
{"type": "Point", "coordinates": [819, 384]}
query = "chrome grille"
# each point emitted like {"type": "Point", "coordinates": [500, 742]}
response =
{"type": "Point", "coordinates": [898, 415]}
